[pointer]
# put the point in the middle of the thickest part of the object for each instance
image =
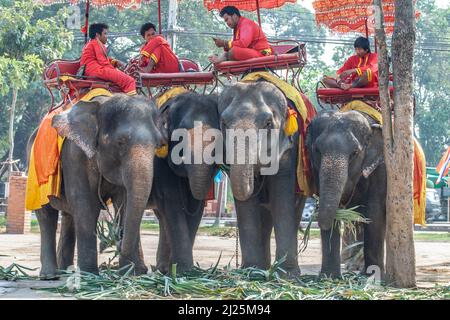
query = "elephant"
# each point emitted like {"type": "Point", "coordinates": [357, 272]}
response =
{"type": "Point", "coordinates": [108, 154]}
{"type": "Point", "coordinates": [264, 200]}
{"type": "Point", "coordinates": [180, 188]}
{"type": "Point", "coordinates": [346, 155]}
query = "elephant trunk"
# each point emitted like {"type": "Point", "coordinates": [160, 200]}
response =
{"type": "Point", "coordinates": [242, 181]}
{"type": "Point", "coordinates": [200, 179]}
{"type": "Point", "coordinates": [332, 177]}
{"type": "Point", "coordinates": [138, 179]}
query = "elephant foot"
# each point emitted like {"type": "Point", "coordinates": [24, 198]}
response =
{"type": "Point", "coordinates": [139, 267]}
{"type": "Point", "coordinates": [48, 274]}
{"type": "Point", "coordinates": [184, 267]}
{"type": "Point", "coordinates": [291, 273]}
{"type": "Point", "coordinates": [330, 274]}
{"type": "Point", "coordinates": [163, 268]}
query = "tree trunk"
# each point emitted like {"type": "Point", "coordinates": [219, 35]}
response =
{"type": "Point", "coordinates": [11, 131]}
{"type": "Point", "coordinates": [398, 143]}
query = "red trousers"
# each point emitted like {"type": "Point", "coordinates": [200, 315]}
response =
{"type": "Point", "coordinates": [126, 83]}
{"type": "Point", "coordinates": [240, 54]}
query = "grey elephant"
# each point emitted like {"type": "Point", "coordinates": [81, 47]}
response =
{"type": "Point", "coordinates": [108, 153]}
{"type": "Point", "coordinates": [180, 189]}
{"type": "Point", "coordinates": [346, 154]}
{"type": "Point", "coordinates": [264, 201]}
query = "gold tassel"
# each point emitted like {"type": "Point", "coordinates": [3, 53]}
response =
{"type": "Point", "coordinates": [291, 126]}
{"type": "Point", "coordinates": [163, 151]}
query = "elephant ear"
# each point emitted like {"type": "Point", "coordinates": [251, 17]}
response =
{"type": "Point", "coordinates": [162, 120]}
{"type": "Point", "coordinates": [80, 125]}
{"type": "Point", "coordinates": [374, 152]}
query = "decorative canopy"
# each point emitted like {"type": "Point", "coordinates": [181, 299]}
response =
{"type": "Point", "coordinates": [353, 15]}
{"type": "Point", "coordinates": [120, 4]}
{"type": "Point", "coordinates": [246, 5]}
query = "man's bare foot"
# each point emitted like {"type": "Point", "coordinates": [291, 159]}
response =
{"type": "Point", "coordinates": [215, 59]}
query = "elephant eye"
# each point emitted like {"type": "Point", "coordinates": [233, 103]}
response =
{"type": "Point", "coordinates": [122, 141]}
{"type": "Point", "coordinates": [268, 124]}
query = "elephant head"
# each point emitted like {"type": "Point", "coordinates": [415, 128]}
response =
{"type": "Point", "coordinates": [344, 147]}
{"type": "Point", "coordinates": [189, 119]}
{"type": "Point", "coordinates": [252, 117]}
{"type": "Point", "coordinates": [120, 135]}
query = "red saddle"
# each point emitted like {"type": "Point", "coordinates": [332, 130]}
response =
{"type": "Point", "coordinates": [56, 70]}
{"type": "Point", "coordinates": [286, 56]}
{"type": "Point", "coordinates": [339, 96]}
{"type": "Point", "coordinates": [191, 75]}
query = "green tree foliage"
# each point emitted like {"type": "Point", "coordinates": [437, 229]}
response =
{"type": "Point", "coordinates": [432, 82]}
{"type": "Point", "coordinates": [29, 38]}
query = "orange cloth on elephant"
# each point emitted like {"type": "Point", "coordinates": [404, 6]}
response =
{"type": "Point", "coordinates": [98, 65]}
{"type": "Point", "coordinates": [367, 64]}
{"type": "Point", "coordinates": [158, 49]}
{"type": "Point", "coordinates": [249, 41]}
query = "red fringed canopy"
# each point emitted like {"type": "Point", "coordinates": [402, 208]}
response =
{"type": "Point", "coordinates": [120, 4]}
{"type": "Point", "coordinates": [246, 5]}
{"type": "Point", "coordinates": [351, 15]}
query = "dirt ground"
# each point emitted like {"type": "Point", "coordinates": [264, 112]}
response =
{"type": "Point", "coordinates": [432, 258]}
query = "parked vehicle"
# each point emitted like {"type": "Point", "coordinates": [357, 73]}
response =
{"type": "Point", "coordinates": [433, 209]}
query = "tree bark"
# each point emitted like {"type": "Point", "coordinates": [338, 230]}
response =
{"type": "Point", "coordinates": [11, 131]}
{"type": "Point", "coordinates": [398, 143]}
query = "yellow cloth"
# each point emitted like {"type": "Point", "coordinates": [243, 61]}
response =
{"type": "Point", "coordinates": [292, 94]}
{"type": "Point", "coordinates": [420, 184]}
{"type": "Point", "coordinates": [169, 94]}
{"type": "Point", "coordinates": [289, 91]}
{"type": "Point", "coordinates": [38, 195]}
{"type": "Point", "coordinates": [361, 106]}
{"type": "Point", "coordinates": [419, 175]}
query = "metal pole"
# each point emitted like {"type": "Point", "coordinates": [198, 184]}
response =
{"type": "Point", "coordinates": [159, 17]}
{"type": "Point", "coordinates": [86, 23]}
{"type": "Point", "coordinates": [367, 29]}
{"type": "Point", "coordinates": [172, 23]}
{"type": "Point", "coordinates": [259, 14]}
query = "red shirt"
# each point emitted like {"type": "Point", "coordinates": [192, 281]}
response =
{"type": "Point", "coordinates": [158, 49]}
{"type": "Point", "coordinates": [369, 63]}
{"type": "Point", "coordinates": [94, 56]}
{"type": "Point", "coordinates": [248, 34]}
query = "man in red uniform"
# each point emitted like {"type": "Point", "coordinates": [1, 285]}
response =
{"type": "Point", "coordinates": [249, 41]}
{"type": "Point", "coordinates": [95, 59]}
{"type": "Point", "coordinates": [359, 71]}
{"type": "Point", "coordinates": [156, 54]}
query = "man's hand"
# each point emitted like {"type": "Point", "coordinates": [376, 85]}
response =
{"type": "Point", "coordinates": [220, 43]}
{"type": "Point", "coordinates": [120, 65]}
{"type": "Point", "coordinates": [345, 86]}
{"type": "Point", "coordinates": [346, 73]}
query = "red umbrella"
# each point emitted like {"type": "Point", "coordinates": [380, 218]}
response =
{"type": "Point", "coordinates": [246, 5]}
{"type": "Point", "coordinates": [353, 15]}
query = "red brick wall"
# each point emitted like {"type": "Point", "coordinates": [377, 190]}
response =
{"type": "Point", "coordinates": [18, 220]}
{"type": "Point", "coordinates": [211, 208]}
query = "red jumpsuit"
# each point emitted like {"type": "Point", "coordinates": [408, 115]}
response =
{"type": "Point", "coordinates": [98, 65]}
{"type": "Point", "coordinates": [158, 49]}
{"type": "Point", "coordinates": [249, 41]}
{"type": "Point", "coordinates": [367, 64]}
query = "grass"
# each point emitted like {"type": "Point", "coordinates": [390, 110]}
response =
{"type": "Point", "coordinates": [432, 236]}
{"type": "Point", "coordinates": [225, 283]}
{"type": "Point", "coordinates": [215, 231]}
